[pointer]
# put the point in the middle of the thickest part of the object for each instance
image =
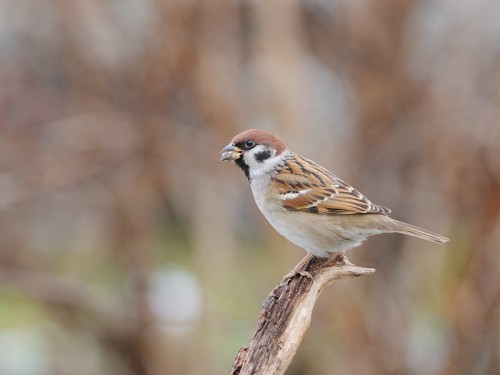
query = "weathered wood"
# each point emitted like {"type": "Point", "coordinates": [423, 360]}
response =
{"type": "Point", "coordinates": [286, 314]}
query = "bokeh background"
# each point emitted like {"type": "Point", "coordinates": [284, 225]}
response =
{"type": "Point", "coordinates": [126, 247]}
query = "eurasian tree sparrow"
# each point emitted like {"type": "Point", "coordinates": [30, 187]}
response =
{"type": "Point", "coordinates": [306, 203]}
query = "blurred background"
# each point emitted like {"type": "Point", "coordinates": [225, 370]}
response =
{"type": "Point", "coordinates": [126, 247]}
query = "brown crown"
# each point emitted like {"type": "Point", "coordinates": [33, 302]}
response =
{"type": "Point", "coordinates": [261, 137]}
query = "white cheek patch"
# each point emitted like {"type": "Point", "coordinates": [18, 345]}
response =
{"type": "Point", "coordinates": [254, 158]}
{"type": "Point", "coordinates": [259, 168]}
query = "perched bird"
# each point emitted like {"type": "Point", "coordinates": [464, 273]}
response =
{"type": "Point", "coordinates": [306, 203]}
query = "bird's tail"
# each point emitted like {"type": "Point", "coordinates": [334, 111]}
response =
{"type": "Point", "coordinates": [412, 230]}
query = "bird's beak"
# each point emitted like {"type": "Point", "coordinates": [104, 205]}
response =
{"type": "Point", "coordinates": [230, 152]}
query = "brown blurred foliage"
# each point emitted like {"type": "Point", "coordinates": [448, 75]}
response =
{"type": "Point", "coordinates": [126, 247]}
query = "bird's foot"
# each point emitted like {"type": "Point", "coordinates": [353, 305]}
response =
{"type": "Point", "coordinates": [306, 274]}
{"type": "Point", "coordinates": [290, 275]}
{"type": "Point", "coordinates": [299, 269]}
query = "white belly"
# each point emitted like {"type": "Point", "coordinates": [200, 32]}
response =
{"type": "Point", "coordinates": [317, 234]}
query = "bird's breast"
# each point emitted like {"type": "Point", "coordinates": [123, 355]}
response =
{"type": "Point", "coordinates": [261, 193]}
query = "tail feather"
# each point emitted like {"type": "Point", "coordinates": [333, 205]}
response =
{"type": "Point", "coordinates": [412, 230]}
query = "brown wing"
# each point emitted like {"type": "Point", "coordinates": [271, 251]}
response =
{"type": "Point", "coordinates": [303, 185]}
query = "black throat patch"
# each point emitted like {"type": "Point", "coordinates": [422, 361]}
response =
{"type": "Point", "coordinates": [244, 167]}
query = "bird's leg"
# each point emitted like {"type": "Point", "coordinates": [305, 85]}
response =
{"type": "Point", "coordinates": [305, 274]}
{"type": "Point", "coordinates": [299, 269]}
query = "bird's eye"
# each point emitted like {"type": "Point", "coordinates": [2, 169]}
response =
{"type": "Point", "coordinates": [249, 144]}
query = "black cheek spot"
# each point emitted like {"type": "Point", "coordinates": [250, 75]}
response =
{"type": "Point", "coordinates": [261, 156]}
{"type": "Point", "coordinates": [313, 209]}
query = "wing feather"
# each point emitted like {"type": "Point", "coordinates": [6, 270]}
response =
{"type": "Point", "coordinates": [303, 185]}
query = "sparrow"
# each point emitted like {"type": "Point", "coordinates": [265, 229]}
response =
{"type": "Point", "coordinates": [306, 203]}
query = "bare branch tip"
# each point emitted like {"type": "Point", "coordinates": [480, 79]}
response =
{"type": "Point", "coordinates": [360, 271]}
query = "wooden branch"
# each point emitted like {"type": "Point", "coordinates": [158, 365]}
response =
{"type": "Point", "coordinates": [286, 314]}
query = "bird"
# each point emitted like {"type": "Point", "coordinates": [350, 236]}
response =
{"type": "Point", "coordinates": [306, 203]}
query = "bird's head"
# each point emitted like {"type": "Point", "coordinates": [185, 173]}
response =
{"type": "Point", "coordinates": [254, 150]}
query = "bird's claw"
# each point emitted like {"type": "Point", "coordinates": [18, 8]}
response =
{"type": "Point", "coordinates": [305, 274]}
{"type": "Point", "coordinates": [290, 275]}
